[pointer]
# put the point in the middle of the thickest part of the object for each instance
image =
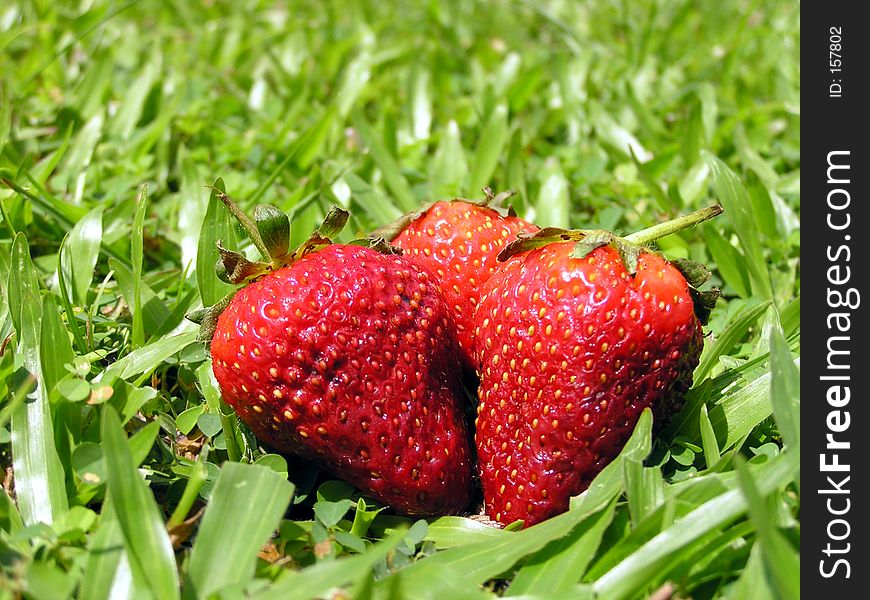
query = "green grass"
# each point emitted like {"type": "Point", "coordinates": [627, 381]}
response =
{"type": "Point", "coordinates": [130, 473]}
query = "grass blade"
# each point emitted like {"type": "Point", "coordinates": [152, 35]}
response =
{"type": "Point", "coordinates": [644, 488]}
{"type": "Point", "coordinates": [192, 206]}
{"type": "Point", "coordinates": [395, 180]}
{"type": "Point", "coordinates": [107, 572]}
{"type": "Point", "coordinates": [785, 389]}
{"type": "Point", "coordinates": [376, 206]}
{"type": "Point", "coordinates": [515, 172]}
{"type": "Point", "coordinates": [781, 561]}
{"type": "Point", "coordinates": [124, 121]}
{"type": "Point", "coordinates": [730, 263]}
{"type": "Point", "coordinates": [64, 213]}
{"type": "Point", "coordinates": [561, 564]}
{"type": "Point", "coordinates": [245, 507]}
{"type": "Point", "coordinates": [738, 208]}
{"type": "Point", "coordinates": [80, 254]}
{"type": "Point", "coordinates": [617, 136]}
{"type": "Point", "coordinates": [144, 359]}
{"type": "Point", "coordinates": [56, 357]}
{"type": "Point", "coordinates": [662, 200]}
{"type": "Point", "coordinates": [137, 252]}
{"type": "Point", "coordinates": [752, 584]}
{"type": "Point", "coordinates": [306, 150]}
{"type": "Point", "coordinates": [66, 298]}
{"type": "Point", "coordinates": [39, 474]}
{"type": "Point", "coordinates": [10, 519]}
{"type": "Point", "coordinates": [75, 165]}
{"type": "Point", "coordinates": [448, 171]}
{"type": "Point", "coordinates": [553, 202]}
{"type": "Point", "coordinates": [5, 120]}
{"type": "Point", "coordinates": [733, 415]}
{"type": "Point", "coordinates": [634, 573]}
{"type": "Point", "coordinates": [708, 438]}
{"type": "Point", "coordinates": [217, 225]}
{"type": "Point", "coordinates": [355, 76]}
{"type": "Point", "coordinates": [145, 536]}
{"type": "Point", "coordinates": [739, 412]}
{"type": "Point", "coordinates": [6, 322]}
{"type": "Point", "coordinates": [152, 311]}
{"type": "Point", "coordinates": [725, 341]}
{"type": "Point", "coordinates": [449, 532]}
{"type": "Point", "coordinates": [55, 349]}
{"type": "Point", "coordinates": [475, 563]}
{"type": "Point", "coordinates": [489, 148]}
{"type": "Point", "coordinates": [315, 581]}
{"type": "Point", "coordinates": [421, 104]}
{"type": "Point", "coordinates": [216, 405]}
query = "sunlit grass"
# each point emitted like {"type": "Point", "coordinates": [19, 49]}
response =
{"type": "Point", "coordinates": [115, 120]}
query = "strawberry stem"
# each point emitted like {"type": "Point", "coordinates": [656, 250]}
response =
{"type": "Point", "coordinates": [494, 200]}
{"type": "Point", "coordinates": [247, 224]}
{"type": "Point", "coordinates": [651, 234]}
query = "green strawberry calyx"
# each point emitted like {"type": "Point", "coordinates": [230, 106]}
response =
{"type": "Point", "coordinates": [269, 231]}
{"type": "Point", "coordinates": [630, 248]}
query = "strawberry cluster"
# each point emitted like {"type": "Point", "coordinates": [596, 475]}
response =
{"type": "Point", "coordinates": [354, 355]}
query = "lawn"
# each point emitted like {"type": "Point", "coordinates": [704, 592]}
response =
{"type": "Point", "coordinates": [125, 473]}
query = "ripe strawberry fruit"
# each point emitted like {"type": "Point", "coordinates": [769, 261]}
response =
{"type": "Point", "coordinates": [458, 241]}
{"type": "Point", "coordinates": [573, 346]}
{"type": "Point", "coordinates": [346, 356]}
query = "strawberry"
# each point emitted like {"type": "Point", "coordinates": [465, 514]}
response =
{"type": "Point", "coordinates": [458, 241]}
{"type": "Point", "coordinates": [577, 333]}
{"type": "Point", "coordinates": [346, 356]}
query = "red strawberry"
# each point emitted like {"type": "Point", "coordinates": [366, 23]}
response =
{"type": "Point", "coordinates": [347, 357]}
{"type": "Point", "coordinates": [458, 241]}
{"type": "Point", "coordinates": [572, 350]}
